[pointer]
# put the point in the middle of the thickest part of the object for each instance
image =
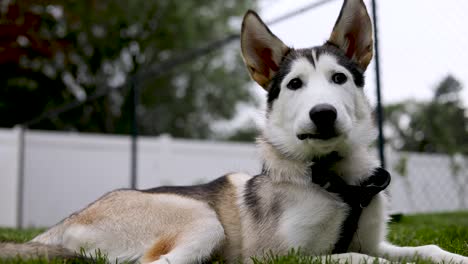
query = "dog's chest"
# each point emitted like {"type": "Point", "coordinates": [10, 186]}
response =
{"type": "Point", "coordinates": [311, 220]}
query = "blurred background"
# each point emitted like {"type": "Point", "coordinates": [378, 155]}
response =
{"type": "Point", "coordinates": [98, 95]}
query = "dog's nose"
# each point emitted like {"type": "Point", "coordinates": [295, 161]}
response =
{"type": "Point", "coordinates": [323, 116]}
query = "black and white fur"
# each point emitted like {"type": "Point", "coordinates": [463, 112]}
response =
{"type": "Point", "coordinates": [316, 106]}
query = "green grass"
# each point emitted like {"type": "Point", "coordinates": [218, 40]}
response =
{"type": "Point", "coordinates": [448, 230]}
{"type": "Point", "coordinates": [15, 235]}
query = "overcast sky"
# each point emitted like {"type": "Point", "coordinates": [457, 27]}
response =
{"type": "Point", "coordinates": [421, 41]}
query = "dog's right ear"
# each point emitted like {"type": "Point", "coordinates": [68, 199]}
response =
{"type": "Point", "coordinates": [353, 33]}
{"type": "Point", "coordinates": [262, 50]}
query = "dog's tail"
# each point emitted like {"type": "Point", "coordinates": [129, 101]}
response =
{"type": "Point", "coordinates": [35, 250]}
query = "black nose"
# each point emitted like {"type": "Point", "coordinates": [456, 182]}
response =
{"type": "Point", "coordinates": [323, 116]}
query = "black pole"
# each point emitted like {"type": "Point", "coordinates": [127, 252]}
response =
{"type": "Point", "coordinates": [134, 139]}
{"type": "Point", "coordinates": [380, 117]}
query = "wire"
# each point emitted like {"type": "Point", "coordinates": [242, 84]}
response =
{"type": "Point", "coordinates": [195, 53]}
{"type": "Point", "coordinates": [298, 11]}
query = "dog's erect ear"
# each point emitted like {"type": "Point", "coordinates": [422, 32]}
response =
{"type": "Point", "coordinates": [262, 51]}
{"type": "Point", "coordinates": [353, 32]}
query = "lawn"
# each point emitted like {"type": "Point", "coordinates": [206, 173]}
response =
{"type": "Point", "coordinates": [448, 230]}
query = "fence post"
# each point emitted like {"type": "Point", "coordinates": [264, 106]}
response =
{"type": "Point", "coordinates": [380, 117]}
{"type": "Point", "coordinates": [134, 138]}
{"type": "Point", "coordinates": [21, 169]}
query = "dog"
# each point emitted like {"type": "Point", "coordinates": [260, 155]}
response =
{"type": "Point", "coordinates": [320, 189]}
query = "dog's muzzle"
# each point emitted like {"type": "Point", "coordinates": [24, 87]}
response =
{"type": "Point", "coordinates": [324, 118]}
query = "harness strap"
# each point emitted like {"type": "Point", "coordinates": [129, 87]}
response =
{"type": "Point", "coordinates": [356, 196]}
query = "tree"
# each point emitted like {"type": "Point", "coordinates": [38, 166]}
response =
{"type": "Point", "coordinates": [437, 126]}
{"type": "Point", "coordinates": [54, 52]}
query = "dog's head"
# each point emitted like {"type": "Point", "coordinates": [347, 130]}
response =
{"type": "Point", "coordinates": [316, 102]}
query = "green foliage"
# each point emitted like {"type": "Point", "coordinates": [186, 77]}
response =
{"type": "Point", "coordinates": [73, 49]}
{"type": "Point", "coordinates": [436, 126]}
{"type": "Point", "coordinates": [245, 134]}
{"type": "Point", "coordinates": [401, 167]}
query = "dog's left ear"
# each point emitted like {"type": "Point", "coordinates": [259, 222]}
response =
{"type": "Point", "coordinates": [353, 32]}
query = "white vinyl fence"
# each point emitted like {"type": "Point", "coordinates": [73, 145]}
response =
{"type": "Point", "coordinates": [63, 172]}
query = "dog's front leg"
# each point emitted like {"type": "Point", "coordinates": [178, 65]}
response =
{"type": "Point", "coordinates": [433, 252]}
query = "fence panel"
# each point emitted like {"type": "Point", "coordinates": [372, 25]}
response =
{"type": "Point", "coordinates": [9, 164]}
{"type": "Point", "coordinates": [427, 183]}
{"type": "Point", "coordinates": [65, 171]}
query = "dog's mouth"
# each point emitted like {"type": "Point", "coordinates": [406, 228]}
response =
{"type": "Point", "coordinates": [320, 136]}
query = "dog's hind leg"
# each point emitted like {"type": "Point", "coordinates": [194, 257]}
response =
{"type": "Point", "coordinates": [188, 246]}
{"type": "Point", "coordinates": [432, 252]}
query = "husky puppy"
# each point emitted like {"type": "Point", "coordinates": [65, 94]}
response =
{"type": "Point", "coordinates": [319, 190]}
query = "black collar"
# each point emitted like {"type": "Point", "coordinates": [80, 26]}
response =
{"type": "Point", "coordinates": [356, 196]}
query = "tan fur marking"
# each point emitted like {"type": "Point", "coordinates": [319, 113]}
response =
{"type": "Point", "coordinates": [229, 215]}
{"type": "Point", "coordinates": [89, 217]}
{"type": "Point", "coordinates": [94, 212]}
{"type": "Point", "coordinates": [163, 245]}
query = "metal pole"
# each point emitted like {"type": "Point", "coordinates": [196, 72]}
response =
{"type": "Point", "coordinates": [134, 138]}
{"type": "Point", "coordinates": [21, 164]}
{"type": "Point", "coordinates": [380, 114]}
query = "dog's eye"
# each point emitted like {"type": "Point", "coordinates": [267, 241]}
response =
{"type": "Point", "coordinates": [339, 78]}
{"type": "Point", "coordinates": [295, 84]}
